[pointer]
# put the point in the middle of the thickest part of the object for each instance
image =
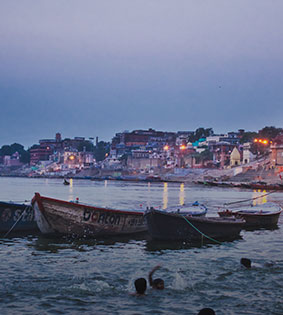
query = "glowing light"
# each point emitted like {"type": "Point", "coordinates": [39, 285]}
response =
{"type": "Point", "coordinates": [166, 148]}
{"type": "Point", "coordinates": [262, 141]}
{"type": "Point", "coordinates": [182, 147]}
{"type": "Point", "coordinates": [71, 157]}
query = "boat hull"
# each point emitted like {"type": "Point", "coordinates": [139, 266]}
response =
{"type": "Point", "coordinates": [18, 217]}
{"type": "Point", "coordinates": [168, 226]}
{"type": "Point", "coordinates": [256, 219]}
{"type": "Point", "coordinates": [57, 216]}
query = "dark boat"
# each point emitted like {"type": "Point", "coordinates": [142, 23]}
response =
{"type": "Point", "coordinates": [16, 217]}
{"type": "Point", "coordinates": [174, 226]}
{"type": "Point", "coordinates": [66, 182]}
{"type": "Point", "coordinates": [153, 178]}
{"type": "Point", "coordinates": [260, 216]}
{"type": "Point", "coordinates": [77, 219]}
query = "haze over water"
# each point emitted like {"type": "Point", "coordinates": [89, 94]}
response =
{"type": "Point", "coordinates": [51, 275]}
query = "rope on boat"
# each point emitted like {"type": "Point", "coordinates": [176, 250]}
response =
{"type": "Point", "coordinates": [245, 200]}
{"type": "Point", "coordinates": [202, 234]}
{"type": "Point", "coordinates": [19, 218]}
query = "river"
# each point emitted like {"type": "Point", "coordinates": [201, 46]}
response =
{"type": "Point", "coordinates": [49, 275]}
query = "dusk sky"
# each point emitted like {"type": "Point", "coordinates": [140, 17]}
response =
{"type": "Point", "coordinates": [94, 68]}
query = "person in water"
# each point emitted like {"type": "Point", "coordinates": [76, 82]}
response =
{"type": "Point", "coordinates": [158, 283]}
{"type": "Point", "coordinates": [206, 311]}
{"type": "Point", "coordinates": [246, 262]}
{"type": "Point", "coordinates": [140, 285]}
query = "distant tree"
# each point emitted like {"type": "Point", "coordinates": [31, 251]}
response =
{"type": "Point", "coordinates": [25, 157]}
{"type": "Point", "coordinates": [248, 137]}
{"type": "Point", "coordinates": [6, 150]}
{"type": "Point", "coordinates": [201, 133]}
{"type": "Point", "coordinates": [86, 145]}
{"type": "Point", "coordinates": [206, 155]}
{"type": "Point", "coordinates": [100, 150]}
{"type": "Point", "coordinates": [269, 132]}
{"type": "Point", "coordinates": [16, 147]}
{"type": "Point", "coordinates": [13, 148]}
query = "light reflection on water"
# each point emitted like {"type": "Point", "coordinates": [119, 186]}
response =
{"type": "Point", "coordinates": [258, 200]}
{"type": "Point", "coordinates": [165, 196]}
{"type": "Point", "coordinates": [47, 275]}
{"type": "Point", "coordinates": [182, 194]}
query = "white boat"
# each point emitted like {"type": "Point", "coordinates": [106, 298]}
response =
{"type": "Point", "coordinates": [193, 209]}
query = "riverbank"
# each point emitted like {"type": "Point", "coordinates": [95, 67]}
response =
{"type": "Point", "coordinates": [259, 171]}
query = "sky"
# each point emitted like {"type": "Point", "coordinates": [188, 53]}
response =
{"type": "Point", "coordinates": [94, 68]}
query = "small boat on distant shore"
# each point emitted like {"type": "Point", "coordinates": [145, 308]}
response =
{"type": "Point", "coordinates": [15, 217]}
{"type": "Point", "coordinates": [260, 216]}
{"type": "Point", "coordinates": [81, 220]}
{"type": "Point", "coordinates": [175, 227]}
{"type": "Point", "coordinates": [194, 209]}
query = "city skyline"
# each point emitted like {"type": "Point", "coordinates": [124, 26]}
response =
{"type": "Point", "coordinates": [98, 68]}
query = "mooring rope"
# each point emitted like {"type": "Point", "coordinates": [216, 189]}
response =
{"type": "Point", "coordinates": [245, 200]}
{"type": "Point", "coordinates": [208, 237]}
{"type": "Point", "coordinates": [19, 218]}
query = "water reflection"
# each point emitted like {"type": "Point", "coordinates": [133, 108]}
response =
{"type": "Point", "coordinates": [71, 192]}
{"type": "Point", "coordinates": [154, 245]}
{"type": "Point", "coordinates": [165, 196]}
{"type": "Point", "coordinates": [55, 243]}
{"type": "Point", "coordinates": [182, 194]}
{"type": "Point", "coordinates": [257, 199]}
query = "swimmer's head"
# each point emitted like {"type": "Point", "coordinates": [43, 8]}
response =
{"type": "Point", "coordinates": [246, 262]}
{"type": "Point", "coordinates": [206, 311]}
{"type": "Point", "coordinates": [158, 284]}
{"type": "Point", "coordinates": [140, 285]}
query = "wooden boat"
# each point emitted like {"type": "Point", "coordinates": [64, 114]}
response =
{"type": "Point", "coordinates": [256, 216]}
{"type": "Point", "coordinates": [175, 226]}
{"type": "Point", "coordinates": [195, 209]}
{"type": "Point", "coordinates": [77, 219]}
{"type": "Point", "coordinates": [16, 217]}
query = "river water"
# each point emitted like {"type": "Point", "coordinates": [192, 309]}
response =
{"type": "Point", "coordinates": [47, 275]}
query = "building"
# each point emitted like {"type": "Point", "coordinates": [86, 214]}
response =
{"type": "Point", "coordinates": [54, 148]}
{"type": "Point", "coordinates": [221, 153]}
{"type": "Point", "coordinates": [248, 156]}
{"type": "Point", "coordinates": [235, 158]}
{"type": "Point", "coordinates": [13, 160]}
{"type": "Point", "coordinates": [42, 153]}
{"type": "Point", "coordinates": [125, 142]}
{"type": "Point", "coordinates": [144, 160]}
{"type": "Point", "coordinates": [277, 151]}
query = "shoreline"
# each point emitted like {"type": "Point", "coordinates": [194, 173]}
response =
{"type": "Point", "coordinates": [231, 182]}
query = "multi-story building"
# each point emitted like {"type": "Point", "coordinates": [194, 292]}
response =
{"type": "Point", "coordinates": [277, 152]}
{"type": "Point", "coordinates": [55, 148]}
{"type": "Point", "coordinates": [125, 142]}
